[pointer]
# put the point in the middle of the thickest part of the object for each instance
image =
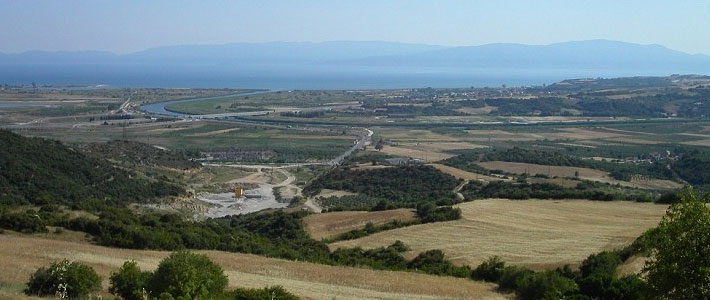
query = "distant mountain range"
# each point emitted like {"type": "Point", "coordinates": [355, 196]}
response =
{"type": "Point", "coordinates": [327, 60]}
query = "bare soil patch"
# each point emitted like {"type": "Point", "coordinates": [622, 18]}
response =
{"type": "Point", "coordinates": [325, 193]}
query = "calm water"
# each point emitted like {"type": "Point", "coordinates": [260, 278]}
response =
{"type": "Point", "coordinates": [287, 77]}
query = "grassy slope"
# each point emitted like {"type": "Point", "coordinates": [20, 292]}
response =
{"type": "Point", "coordinates": [21, 255]}
{"type": "Point", "coordinates": [534, 233]}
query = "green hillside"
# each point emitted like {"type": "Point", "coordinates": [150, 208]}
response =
{"type": "Point", "coordinates": [39, 171]}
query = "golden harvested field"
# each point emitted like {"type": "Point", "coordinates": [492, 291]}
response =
{"type": "Point", "coordinates": [576, 145]}
{"type": "Point", "coordinates": [532, 169]}
{"type": "Point", "coordinates": [705, 143]}
{"type": "Point", "coordinates": [397, 134]}
{"type": "Point", "coordinates": [216, 132]}
{"type": "Point", "coordinates": [582, 134]}
{"type": "Point", "coordinates": [500, 135]}
{"type": "Point", "coordinates": [20, 256]}
{"type": "Point", "coordinates": [477, 110]}
{"type": "Point", "coordinates": [539, 234]}
{"type": "Point", "coordinates": [440, 146]}
{"type": "Point", "coordinates": [465, 175]}
{"type": "Point", "coordinates": [631, 140]}
{"type": "Point", "coordinates": [327, 225]}
{"type": "Point", "coordinates": [420, 154]}
{"type": "Point", "coordinates": [584, 173]}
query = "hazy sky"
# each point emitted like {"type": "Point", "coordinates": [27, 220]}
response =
{"type": "Point", "coordinates": [127, 25]}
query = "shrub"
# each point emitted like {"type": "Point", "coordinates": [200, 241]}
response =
{"type": "Point", "coordinates": [490, 270]}
{"type": "Point", "coordinates": [509, 277]}
{"type": "Point", "coordinates": [25, 222]}
{"type": "Point", "coordinates": [433, 262]}
{"type": "Point", "coordinates": [129, 283]}
{"type": "Point", "coordinates": [605, 286]}
{"type": "Point", "coordinates": [70, 279]}
{"type": "Point", "coordinates": [399, 246]}
{"type": "Point", "coordinates": [548, 285]}
{"type": "Point", "coordinates": [185, 275]}
{"type": "Point", "coordinates": [269, 293]}
{"type": "Point", "coordinates": [603, 263]}
{"type": "Point", "coordinates": [429, 213]}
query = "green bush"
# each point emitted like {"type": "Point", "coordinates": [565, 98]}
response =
{"type": "Point", "coordinates": [548, 285]}
{"type": "Point", "coordinates": [70, 279]}
{"type": "Point", "coordinates": [429, 213]}
{"type": "Point", "coordinates": [433, 262]}
{"type": "Point", "coordinates": [490, 270]}
{"type": "Point", "coordinates": [510, 276]}
{"type": "Point", "coordinates": [269, 293]}
{"type": "Point", "coordinates": [185, 275]}
{"type": "Point", "coordinates": [129, 283]}
{"type": "Point", "coordinates": [600, 263]}
{"type": "Point", "coordinates": [25, 222]}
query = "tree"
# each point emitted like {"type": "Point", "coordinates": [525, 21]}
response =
{"type": "Point", "coordinates": [680, 268]}
{"type": "Point", "coordinates": [66, 279]}
{"type": "Point", "coordinates": [129, 283]}
{"type": "Point", "coordinates": [547, 285]}
{"type": "Point", "coordinates": [490, 270]}
{"type": "Point", "coordinates": [379, 145]}
{"type": "Point", "coordinates": [185, 275]}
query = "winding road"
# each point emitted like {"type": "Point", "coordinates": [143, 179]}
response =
{"type": "Point", "coordinates": [227, 205]}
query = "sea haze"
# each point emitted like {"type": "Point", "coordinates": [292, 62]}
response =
{"type": "Point", "coordinates": [349, 65]}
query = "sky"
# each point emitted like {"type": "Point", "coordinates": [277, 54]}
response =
{"type": "Point", "coordinates": [132, 25]}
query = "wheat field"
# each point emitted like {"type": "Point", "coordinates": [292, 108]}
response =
{"type": "Point", "coordinates": [539, 234]}
{"type": "Point", "coordinates": [22, 255]}
{"type": "Point", "coordinates": [327, 225]}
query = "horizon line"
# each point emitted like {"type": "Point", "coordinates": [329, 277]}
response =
{"type": "Point", "coordinates": [345, 41]}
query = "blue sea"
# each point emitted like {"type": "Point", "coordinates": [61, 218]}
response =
{"type": "Point", "coordinates": [288, 77]}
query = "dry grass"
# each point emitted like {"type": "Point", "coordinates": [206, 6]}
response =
{"type": "Point", "coordinates": [631, 140]}
{"type": "Point", "coordinates": [423, 155]}
{"type": "Point", "coordinates": [328, 225]}
{"type": "Point", "coordinates": [20, 256]}
{"type": "Point", "coordinates": [398, 134]}
{"type": "Point", "coordinates": [465, 175]}
{"type": "Point", "coordinates": [500, 135]}
{"type": "Point", "coordinates": [440, 146]}
{"type": "Point", "coordinates": [477, 110]}
{"type": "Point", "coordinates": [216, 132]}
{"type": "Point", "coordinates": [576, 145]}
{"type": "Point", "coordinates": [538, 234]}
{"type": "Point", "coordinates": [325, 193]}
{"type": "Point", "coordinates": [705, 143]}
{"type": "Point", "coordinates": [582, 134]}
{"type": "Point", "coordinates": [584, 173]}
{"type": "Point", "coordinates": [532, 169]}
{"type": "Point", "coordinates": [633, 265]}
